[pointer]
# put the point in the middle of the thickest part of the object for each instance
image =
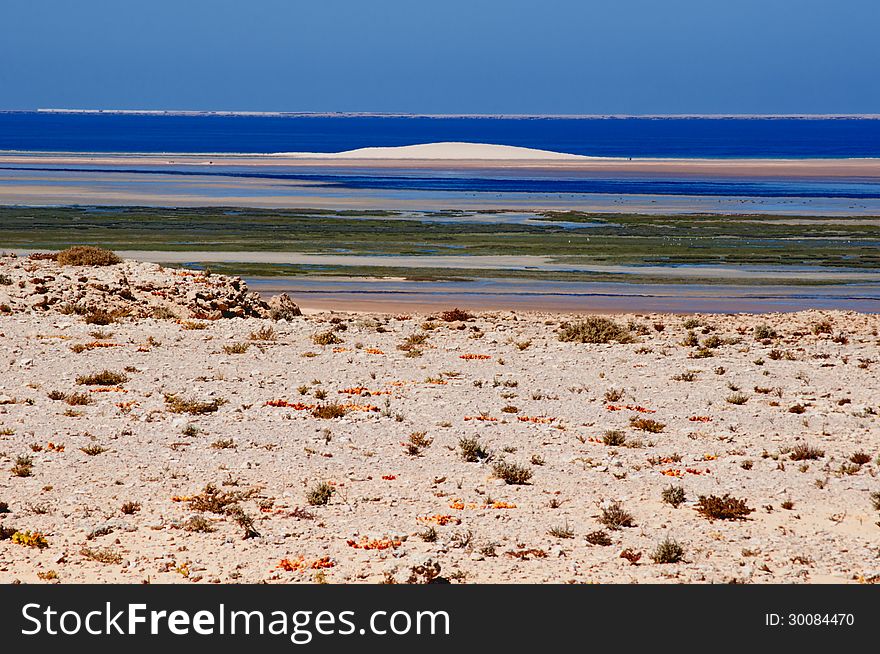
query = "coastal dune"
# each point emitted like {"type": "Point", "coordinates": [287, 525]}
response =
{"type": "Point", "coordinates": [445, 151]}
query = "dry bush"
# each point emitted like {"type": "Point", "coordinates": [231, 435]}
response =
{"type": "Point", "coordinates": [328, 337]}
{"type": "Point", "coordinates": [723, 508]}
{"type": "Point", "coordinates": [614, 438]}
{"type": "Point", "coordinates": [24, 466]}
{"type": "Point", "coordinates": [214, 500]}
{"type": "Point", "coordinates": [101, 554]}
{"type": "Point", "coordinates": [673, 495]}
{"type": "Point", "coordinates": [329, 410]}
{"type": "Point", "coordinates": [77, 399]}
{"type": "Point", "coordinates": [455, 315]}
{"type": "Point", "coordinates": [320, 494]}
{"type": "Point", "coordinates": [199, 524]}
{"type": "Point", "coordinates": [668, 551]}
{"type": "Point", "coordinates": [103, 378]}
{"type": "Point", "coordinates": [595, 329]}
{"type": "Point", "coordinates": [472, 450]}
{"type": "Point", "coordinates": [599, 537]}
{"type": "Point", "coordinates": [417, 442]}
{"type": "Point", "coordinates": [764, 332]}
{"type": "Point", "coordinates": [265, 333]}
{"type": "Point", "coordinates": [177, 404]}
{"type": "Point", "coordinates": [87, 255]}
{"type": "Point", "coordinates": [101, 317]}
{"type": "Point", "coordinates": [511, 473]}
{"type": "Point", "coordinates": [647, 424]}
{"type": "Point", "coordinates": [804, 452]}
{"type": "Point", "coordinates": [614, 516]}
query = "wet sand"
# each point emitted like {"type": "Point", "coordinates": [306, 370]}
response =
{"type": "Point", "coordinates": [391, 296]}
{"type": "Point", "coordinates": [725, 167]}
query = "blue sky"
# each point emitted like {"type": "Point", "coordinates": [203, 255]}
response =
{"type": "Point", "coordinates": [449, 56]}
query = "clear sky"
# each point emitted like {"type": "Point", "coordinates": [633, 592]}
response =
{"type": "Point", "coordinates": [444, 56]}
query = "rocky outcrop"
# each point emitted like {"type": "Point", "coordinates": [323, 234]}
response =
{"type": "Point", "coordinates": [131, 288]}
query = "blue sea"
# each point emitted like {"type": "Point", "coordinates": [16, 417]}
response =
{"type": "Point", "coordinates": [608, 137]}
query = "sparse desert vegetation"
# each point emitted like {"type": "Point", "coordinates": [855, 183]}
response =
{"type": "Point", "coordinates": [503, 447]}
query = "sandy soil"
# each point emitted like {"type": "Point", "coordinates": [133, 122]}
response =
{"type": "Point", "coordinates": [505, 379]}
{"type": "Point", "coordinates": [445, 156]}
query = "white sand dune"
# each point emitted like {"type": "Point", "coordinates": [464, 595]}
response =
{"type": "Point", "coordinates": [446, 151]}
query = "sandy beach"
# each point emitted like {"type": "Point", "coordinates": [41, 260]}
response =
{"type": "Point", "coordinates": [465, 156]}
{"type": "Point", "coordinates": [145, 437]}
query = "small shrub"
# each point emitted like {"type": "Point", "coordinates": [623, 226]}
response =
{"type": "Point", "coordinates": [804, 452]}
{"type": "Point", "coordinates": [87, 255]}
{"type": "Point", "coordinates": [737, 398]}
{"type": "Point", "coordinates": [417, 442]}
{"type": "Point", "coordinates": [93, 449]}
{"type": "Point", "coordinates": [130, 508]}
{"type": "Point", "coordinates": [875, 500]}
{"type": "Point", "coordinates": [860, 458]}
{"type": "Point", "coordinates": [673, 495]}
{"type": "Point", "coordinates": [614, 437]}
{"type": "Point", "coordinates": [723, 508]}
{"type": "Point", "coordinates": [823, 327]}
{"type": "Point", "coordinates": [320, 494]}
{"type": "Point", "coordinates": [214, 500]}
{"type": "Point", "coordinates": [764, 332]}
{"type": "Point", "coordinates": [561, 531]}
{"type": "Point", "coordinates": [265, 333]}
{"type": "Point", "coordinates": [328, 337]}
{"type": "Point", "coordinates": [30, 539]}
{"type": "Point", "coordinates": [329, 410]}
{"type": "Point", "coordinates": [647, 424]}
{"type": "Point", "coordinates": [223, 444]}
{"type": "Point", "coordinates": [668, 551]}
{"type": "Point", "coordinates": [103, 378]}
{"type": "Point", "coordinates": [595, 329]}
{"type": "Point", "coordinates": [511, 473]}
{"type": "Point", "coordinates": [430, 535]}
{"type": "Point", "coordinates": [599, 537]}
{"type": "Point", "coordinates": [194, 325]}
{"type": "Point", "coordinates": [614, 394]}
{"type": "Point", "coordinates": [472, 451]}
{"type": "Point", "coordinates": [411, 342]}
{"type": "Point", "coordinates": [102, 554]}
{"type": "Point", "coordinates": [614, 516]}
{"type": "Point", "coordinates": [24, 466]}
{"type": "Point", "coordinates": [100, 317]}
{"type": "Point", "coordinates": [177, 404]}
{"type": "Point", "coordinates": [244, 521]}
{"type": "Point", "coordinates": [236, 348]}
{"type": "Point", "coordinates": [198, 524]}
{"type": "Point", "coordinates": [77, 399]}
{"type": "Point", "coordinates": [455, 315]}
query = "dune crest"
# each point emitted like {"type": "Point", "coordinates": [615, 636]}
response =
{"type": "Point", "coordinates": [446, 150]}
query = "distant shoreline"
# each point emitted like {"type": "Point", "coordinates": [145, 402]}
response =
{"type": "Point", "coordinates": [751, 167]}
{"type": "Point", "coordinates": [392, 114]}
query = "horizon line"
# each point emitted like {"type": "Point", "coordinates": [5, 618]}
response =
{"type": "Point", "coordinates": [394, 114]}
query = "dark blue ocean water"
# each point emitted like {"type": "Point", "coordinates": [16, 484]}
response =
{"type": "Point", "coordinates": [617, 137]}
